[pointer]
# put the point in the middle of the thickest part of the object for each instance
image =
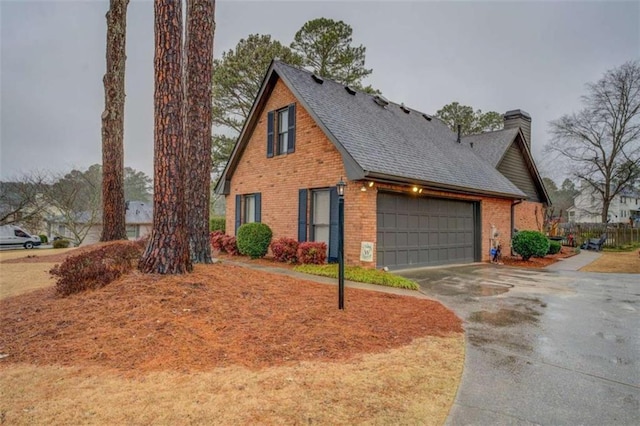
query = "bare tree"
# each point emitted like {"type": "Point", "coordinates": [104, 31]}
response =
{"type": "Point", "coordinates": [602, 141]}
{"type": "Point", "coordinates": [21, 200]}
{"type": "Point", "coordinates": [198, 120]}
{"type": "Point", "coordinates": [167, 251]}
{"type": "Point", "coordinates": [113, 203]}
{"type": "Point", "coordinates": [73, 200]}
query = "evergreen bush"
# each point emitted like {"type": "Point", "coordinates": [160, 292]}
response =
{"type": "Point", "coordinates": [554, 247]}
{"type": "Point", "coordinates": [530, 243]}
{"type": "Point", "coordinates": [253, 239]}
{"type": "Point", "coordinates": [60, 244]}
{"type": "Point", "coordinates": [43, 239]}
{"type": "Point", "coordinates": [217, 224]}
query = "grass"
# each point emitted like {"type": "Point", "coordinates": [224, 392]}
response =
{"type": "Point", "coordinates": [359, 274]}
{"type": "Point", "coordinates": [615, 262]}
{"type": "Point", "coordinates": [16, 278]}
{"type": "Point", "coordinates": [623, 248]}
{"type": "Point", "coordinates": [415, 384]}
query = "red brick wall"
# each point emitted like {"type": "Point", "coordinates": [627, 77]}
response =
{"type": "Point", "coordinates": [317, 164]}
{"type": "Point", "coordinates": [529, 216]}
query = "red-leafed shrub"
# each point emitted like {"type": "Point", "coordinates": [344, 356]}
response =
{"type": "Point", "coordinates": [95, 268]}
{"type": "Point", "coordinates": [230, 245]}
{"type": "Point", "coordinates": [285, 250]}
{"type": "Point", "coordinates": [217, 240]}
{"type": "Point", "coordinates": [223, 243]}
{"type": "Point", "coordinates": [312, 252]}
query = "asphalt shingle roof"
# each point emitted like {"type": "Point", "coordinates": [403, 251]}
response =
{"type": "Point", "coordinates": [491, 145]}
{"type": "Point", "coordinates": [388, 141]}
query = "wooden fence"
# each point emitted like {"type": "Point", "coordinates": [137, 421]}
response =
{"type": "Point", "coordinates": [617, 234]}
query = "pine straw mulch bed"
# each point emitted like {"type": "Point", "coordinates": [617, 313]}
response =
{"type": "Point", "coordinates": [538, 262]}
{"type": "Point", "coordinates": [219, 315]}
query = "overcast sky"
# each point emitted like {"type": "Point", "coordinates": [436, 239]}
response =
{"type": "Point", "coordinates": [535, 56]}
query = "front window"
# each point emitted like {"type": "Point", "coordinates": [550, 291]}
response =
{"type": "Point", "coordinates": [283, 130]}
{"type": "Point", "coordinates": [321, 217]}
{"type": "Point", "coordinates": [249, 208]}
{"type": "Point", "coordinates": [133, 231]}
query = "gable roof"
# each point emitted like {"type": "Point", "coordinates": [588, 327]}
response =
{"type": "Point", "coordinates": [387, 142]}
{"type": "Point", "coordinates": [136, 213]}
{"type": "Point", "coordinates": [139, 213]}
{"type": "Point", "coordinates": [494, 146]}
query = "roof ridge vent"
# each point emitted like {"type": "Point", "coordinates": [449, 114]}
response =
{"type": "Point", "coordinates": [427, 117]}
{"type": "Point", "coordinates": [380, 100]}
{"type": "Point", "coordinates": [404, 108]}
{"type": "Point", "coordinates": [317, 78]}
{"type": "Point", "coordinates": [350, 90]}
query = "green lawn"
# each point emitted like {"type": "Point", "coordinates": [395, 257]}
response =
{"type": "Point", "coordinates": [362, 275]}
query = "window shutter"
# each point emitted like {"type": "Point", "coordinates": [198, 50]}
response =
{"type": "Point", "coordinates": [270, 134]}
{"type": "Point", "coordinates": [333, 225]}
{"type": "Point", "coordinates": [258, 197]}
{"type": "Point", "coordinates": [302, 215]}
{"type": "Point", "coordinates": [291, 133]}
{"type": "Point", "coordinates": [238, 212]}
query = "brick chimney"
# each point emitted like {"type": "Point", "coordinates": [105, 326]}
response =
{"type": "Point", "coordinates": [519, 118]}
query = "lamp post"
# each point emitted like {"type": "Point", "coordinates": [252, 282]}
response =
{"type": "Point", "coordinates": [340, 188]}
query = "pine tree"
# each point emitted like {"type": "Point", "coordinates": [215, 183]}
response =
{"type": "Point", "coordinates": [198, 80]}
{"type": "Point", "coordinates": [113, 202]}
{"type": "Point", "coordinates": [167, 251]}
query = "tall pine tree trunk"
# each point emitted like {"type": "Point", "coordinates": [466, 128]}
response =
{"type": "Point", "coordinates": [167, 251]}
{"type": "Point", "coordinates": [198, 80]}
{"type": "Point", "coordinates": [113, 203]}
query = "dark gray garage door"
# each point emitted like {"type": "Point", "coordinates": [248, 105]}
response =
{"type": "Point", "coordinates": [419, 231]}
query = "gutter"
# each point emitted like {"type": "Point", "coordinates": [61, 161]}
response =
{"type": "Point", "coordinates": [513, 219]}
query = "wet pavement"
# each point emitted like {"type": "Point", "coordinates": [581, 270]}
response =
{"type": "Point", "coordinates": [543, 347]}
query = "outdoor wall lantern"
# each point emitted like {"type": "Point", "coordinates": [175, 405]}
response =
{"type": "Point", "coordinates": [340, 186]}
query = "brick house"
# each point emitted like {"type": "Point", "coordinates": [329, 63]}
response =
{"type": "Point", "coordinates": [417, 194]}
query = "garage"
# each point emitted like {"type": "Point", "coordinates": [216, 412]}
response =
{"type": "Point", "coordinates": [415, 231]}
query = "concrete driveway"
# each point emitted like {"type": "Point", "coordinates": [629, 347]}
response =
{"type": "Point", "coordinates": [543, 347]}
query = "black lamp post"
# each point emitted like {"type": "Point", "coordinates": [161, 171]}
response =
{"type": "Point", "coordinates": [340, 188]}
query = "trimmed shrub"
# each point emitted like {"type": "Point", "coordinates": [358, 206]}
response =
{"type": "Point", "coordinates": [60, 244]}
{"type": "Point", "coordinates": [554, 247]}
{"type": "Point", "coordinates": [95, 268]}
{"type": "Point", "coordinates": [530, 243]}
{"type": "Point", "coordinates": [312, 252]}
{"type": "Point", "coordinates": [43, 239]}
{"type": "Point", "coordinates": [285, 250]}
{"type": "Point", "coordinates": [217, 224]}
{"type": "Point", "coordinates": [253, 239]}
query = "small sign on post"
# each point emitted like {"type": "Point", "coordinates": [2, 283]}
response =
{"type": "Point", "coordinates": [366, 252]}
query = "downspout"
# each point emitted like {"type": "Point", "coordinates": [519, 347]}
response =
{"type": "Point", "coordinates": [513, 221]}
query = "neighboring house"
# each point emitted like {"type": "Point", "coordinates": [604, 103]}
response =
{"type": "Point", "coordinates": [138, 220]}
{"type": "Point", "coordinates": [587, 207]}
{"type": "Point", "coordinates": [417, 193]}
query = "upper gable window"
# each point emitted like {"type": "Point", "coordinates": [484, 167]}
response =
{"type": "Point", "coordinates": [281, 131]}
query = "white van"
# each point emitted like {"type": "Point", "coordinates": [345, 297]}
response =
{"type": "Point", "coordinates": [14, 236]}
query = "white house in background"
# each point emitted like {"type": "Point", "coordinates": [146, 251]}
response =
{"type": "Point", "coordinates": [587, 206]}
{"type": "Point", "coordinates": [138, 219]}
